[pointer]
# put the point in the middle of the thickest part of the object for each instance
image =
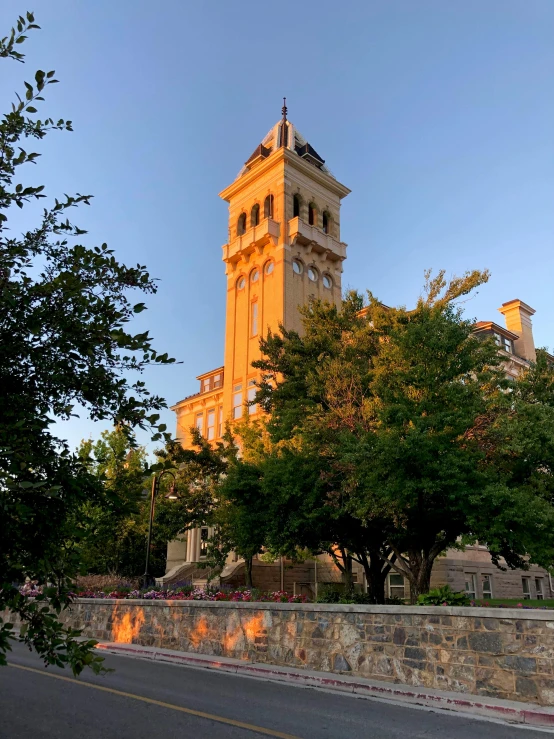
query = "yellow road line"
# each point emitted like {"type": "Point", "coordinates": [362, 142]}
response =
{"type": "Point", "coordinates": [190, 711]}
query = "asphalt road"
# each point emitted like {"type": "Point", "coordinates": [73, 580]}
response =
{"type": "Point", "coordinates": [146, 700]}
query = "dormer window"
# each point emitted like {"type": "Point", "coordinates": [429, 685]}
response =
{"type": "Point", "coordinates": [507, 345]}
{"type": "Point", "coordinates": [296, 206]}
{"type": "Point", "coordinates": [325, 222]}
{"type": "Point", "coordinates": [255, 215]}
{"type": "Point", "coordinates": [503, 342]}
{"type": "Point", "coordinates": [268, 207]}
{"type": "Point", "coordinates": [312, 215]}
{"type": "Point", "coordinates": [241, 224]}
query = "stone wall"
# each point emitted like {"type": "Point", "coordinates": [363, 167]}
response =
{"type": "Point", "coordinates": [505, 653]}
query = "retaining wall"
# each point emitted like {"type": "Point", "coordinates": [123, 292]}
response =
{"type": "Point", "coordinates": [503, 653]}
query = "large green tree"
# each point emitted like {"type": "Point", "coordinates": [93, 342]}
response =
{"type": "Point", "coordinates": [114, 528]}
{"type": "Point", "coordinates": [413, 422]}
{"type": "Point", "coordinates": [65, 344]}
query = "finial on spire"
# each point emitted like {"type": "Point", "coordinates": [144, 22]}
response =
{"type": "Point", "coordinates": [284, 125]}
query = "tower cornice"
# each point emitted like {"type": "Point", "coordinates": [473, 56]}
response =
{"type": "Point", "coordinates": [285, 157]}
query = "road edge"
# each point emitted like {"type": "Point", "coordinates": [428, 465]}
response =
{"type": "Point", "coordinates": [528, 714]}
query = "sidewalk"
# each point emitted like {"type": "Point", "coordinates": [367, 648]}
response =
{"type": "Point", "coordinates": [529, 714]}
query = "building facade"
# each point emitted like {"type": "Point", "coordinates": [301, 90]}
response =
{"type": "Point", "coordinates": [284, 247]}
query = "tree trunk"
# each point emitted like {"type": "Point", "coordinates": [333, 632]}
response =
{"type": "Point", "coordinates": [346, 571]}
{"type": "Point", "coordinates": [248, 572]}
{"type": "Point", "coordinates": [420, 568]}
{"type": "Point", "coordinates": [376, 575]}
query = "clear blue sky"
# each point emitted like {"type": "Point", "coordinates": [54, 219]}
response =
{"type": "Point", "coordinates": [438, 114]}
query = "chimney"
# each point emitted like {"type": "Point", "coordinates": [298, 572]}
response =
{"type": "Point", "coordinates": [517, 315]}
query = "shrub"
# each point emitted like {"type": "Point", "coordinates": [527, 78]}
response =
{"type": "Point", "coordinates": [443, 596]}
{"type": "Point", "coordinates": [106, 583]}
{"type": "Point", "coordinates": [334, 594]}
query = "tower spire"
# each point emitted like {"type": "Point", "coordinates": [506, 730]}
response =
{"type": "Point", "coordinates": [284, 126]}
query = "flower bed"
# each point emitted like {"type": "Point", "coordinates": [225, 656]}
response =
{"type": "Point", "coordinates": [179, 593]}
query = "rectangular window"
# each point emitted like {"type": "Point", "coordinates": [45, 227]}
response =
{"type": "Point", "coordinates": [497, 338]}
{"type": "Point", "coordinates": [200, 422]}
{"type": "Point", "coordinates": [525, 584]}
{"type": "Point", "coordinates": [237, 405]}
{"type": "Point", "coordinates": [251, 395]}
{"type": "Point", "coordinates": [487, 586]}
{"type": "Point", "coordinates": [211, 424]}
{"type": "Point", "coordinates": [204, 541]}
{"type": "Point", "coordinates": [396, 586]}
{"type": "Point", "coordinates": [507, 345]}
{"type": "Point", "coordinates": [220, 422]}
{"type": "Point", "coordinates": [254, 318]}
{"type": "Point", "coordinates": [538, 588]}
{"type": "Point", "coordinates": [205, 385]}
{"type": "Point", "coordinates": [217, 380]}
{"type": "Point", "coordinates": [471, 585]}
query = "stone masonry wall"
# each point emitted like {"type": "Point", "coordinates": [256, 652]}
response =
{"type": "Point", "coordinates": [505, 653]}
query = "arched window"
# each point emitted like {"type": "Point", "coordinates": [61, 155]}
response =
{"type": "Point", "coordinates": [312, 215]}
{"type": "Point", "coordinates": [296, 206]}
{"type": "Point", "coordinates": [255, 215]}
{"type": "Point", "coordinates": [241, 224]}
{"type": "Point", "coordinates": [326, 221]}
{"type": "Point", "coordinates": [268, 207]}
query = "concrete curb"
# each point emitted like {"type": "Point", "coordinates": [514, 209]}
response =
{"type": "Point", "coordinates": [510, 711]}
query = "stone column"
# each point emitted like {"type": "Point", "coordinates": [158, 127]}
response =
{"type": "Point", "coordinates": [192, 555]}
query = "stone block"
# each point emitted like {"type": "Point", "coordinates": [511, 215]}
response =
{"type": "Point", "coordinates": [523, 665]}
{"type": "Point", "coordinates": [340, 664]}
{"type": "Point", "coordinates": [526, 688]}
{"type": "Point", "coordinates": [485, 642]}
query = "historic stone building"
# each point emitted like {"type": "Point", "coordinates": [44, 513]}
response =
{"type": "Point", "coordinates": [284, 246]}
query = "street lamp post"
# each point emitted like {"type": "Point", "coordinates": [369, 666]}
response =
{"type": "Point", "coordinates": [155, 488]}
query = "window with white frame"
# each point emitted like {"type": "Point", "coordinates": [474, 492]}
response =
{"type": "Point", "coordinates": [218, 381]}
{"type": "Point", "coordinates": [200, 422]}
{"type": "Point", "coordinates": [486, 584]}
{"type": "Point", "coordinates": [526, 587]}
{"type": "Point", "coordinates": [250, 396]}
{"type": "Point", "coordinates": [220, 422]}
{"type": "Point", "coordinates": [539, 588]}
{"type": "Point", "coordinates": [507, 345]}
{"type": "Point", "coordinates": [471, 585]}
{"type": "Point", "coordinates": [210, 416]}
{"type": "Point", "coordinates": [396, 585]}
{"type": "Point", "coordinates": [237, 401]}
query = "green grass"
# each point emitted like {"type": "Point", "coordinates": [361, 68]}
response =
{"type": "Point", "coordinates": [547, 603]}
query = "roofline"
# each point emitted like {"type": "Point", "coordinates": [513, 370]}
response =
{"type": "Point", "coordinates": [207, 374]}
{"type": "Point", "coordinates": [487, 325]}
{"type": "Point", "coordinates": [279, 156]}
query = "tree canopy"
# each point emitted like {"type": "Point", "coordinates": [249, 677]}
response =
{"type": "Point", "coordinates": [65, 345]}
{"type": "Point", "coordinates": [402, 431]}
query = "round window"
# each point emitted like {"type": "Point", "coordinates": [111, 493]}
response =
{"type": "Point", "coordinates": [297, 266]}
{"type": "Point", "coordinates": [269, 267]}
{"type": "Point", "coordinates": [241, 282]}
{"type": "Point", "coordinates": [255, 275]}
{"type": "Point", "coordinates": [312, 274]}
{"type": "Point", "coordinates": [327, 281]}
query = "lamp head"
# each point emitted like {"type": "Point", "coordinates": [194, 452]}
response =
{"type": "Point", "coordinates": [172, 495]}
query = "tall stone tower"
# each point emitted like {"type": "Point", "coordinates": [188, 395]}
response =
{"type": "Point", "coordinates": [283, 247]}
